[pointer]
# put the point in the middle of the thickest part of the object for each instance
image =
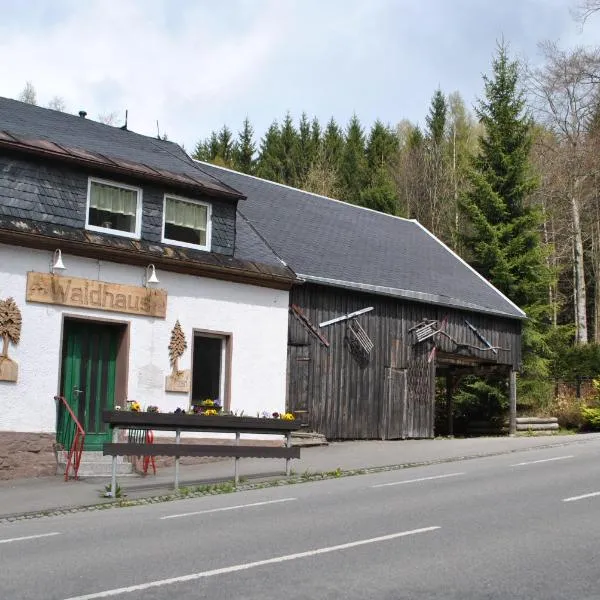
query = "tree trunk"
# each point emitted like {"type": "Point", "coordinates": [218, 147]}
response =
{"type": "Point", "coordinates": [581, 336]}
{"type": "Point", "coordinates": [5, 345]}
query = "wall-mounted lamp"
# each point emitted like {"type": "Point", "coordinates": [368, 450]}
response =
{"type": "Point", "coordinates": [57, 262]}
{"type": "Point", "coordinates": [151, 276]}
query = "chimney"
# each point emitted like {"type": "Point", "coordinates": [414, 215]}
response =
{"type": "Point", "coordinates": [82, 114]}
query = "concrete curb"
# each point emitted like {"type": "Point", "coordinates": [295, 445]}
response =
{"type": "Point", "coordinates": [211, 489]}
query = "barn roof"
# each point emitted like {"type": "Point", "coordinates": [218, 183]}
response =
{"type": "Point", "coordinates": [334, 243]}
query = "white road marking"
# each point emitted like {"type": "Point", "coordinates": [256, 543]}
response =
{"type": "Point", "coordinates": [29, 537]}
{"type": "Point", "coordinates": [535, 462]}
{"type": "Point", "coordinates": [574, 498]}
{"type": "Point", "coordinates": [224, 508]}
{"type": "Point", "coordinates": [246, 566]}
{"type": "Point", "coordinates": [417, 480]}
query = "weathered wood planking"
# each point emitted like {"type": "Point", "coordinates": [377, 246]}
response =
{"type": "Point", "coordinates": [348, 401]}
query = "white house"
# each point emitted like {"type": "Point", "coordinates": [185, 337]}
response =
{"type": "Point", "coordinates": [124, 275]}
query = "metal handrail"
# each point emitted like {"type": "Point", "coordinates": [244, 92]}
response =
{"type": "Point", "coordinates": [76, 436]}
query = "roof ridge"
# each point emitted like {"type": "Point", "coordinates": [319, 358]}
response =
{"type": "Point", "coordinates": [295, 189]}
{"type": "Point", "coordinates": [95, 123]}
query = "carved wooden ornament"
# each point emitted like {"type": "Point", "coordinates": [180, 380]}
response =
{"type": "Point", "coordinates": [178, 380]}
{"type": "Point", "coordinates": [10, 331]}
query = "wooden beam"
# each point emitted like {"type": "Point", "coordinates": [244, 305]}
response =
{"type": "Point", "coordinates": [305, 321]}
{"type": "Point", "coordinates": [362, 311]}
{"type": "Point", "coordinates": [220, 450]}
{"type": "Point", "coordinates": [450, 402]}
{"type": "Point", "coordinates": [512, 383]}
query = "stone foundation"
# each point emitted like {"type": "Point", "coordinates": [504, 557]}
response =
{"type": "Point", "coordinates": [26, 455]}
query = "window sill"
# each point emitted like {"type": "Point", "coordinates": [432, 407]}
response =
{"type": "Point", "coordinates": [186, 245]}
{"type": "Point", "coordinates": [117, 232]}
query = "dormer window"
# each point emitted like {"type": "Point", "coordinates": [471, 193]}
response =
{"type": "Point", "coordinates": [114, 208]}
{"type": "Point", "coordinates": [186, 223]}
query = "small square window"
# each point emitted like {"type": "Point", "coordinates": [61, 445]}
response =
{"type": "Point", "coordinates": [113, 208]}
{"type": "Point", "coordinates": [186, 223]}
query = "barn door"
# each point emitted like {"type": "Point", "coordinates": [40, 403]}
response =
{"type": "Point", "coordinates": [298, 369]}
{"type": "Point", "coordinates": [392, 421]}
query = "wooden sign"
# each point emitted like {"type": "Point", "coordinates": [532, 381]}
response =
{"type": "Point", "coordinates": [99, 295]}
{"type": "Point", "coordinates": [178, 382]}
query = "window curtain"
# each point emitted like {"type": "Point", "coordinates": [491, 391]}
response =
{"type": "Point", "coordinates": [112, 199]}
{"type": "Point", "coordinates": [185, 214]}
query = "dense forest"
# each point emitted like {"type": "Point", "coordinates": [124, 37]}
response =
{"type": "Point", "coordinates": [511, 185]}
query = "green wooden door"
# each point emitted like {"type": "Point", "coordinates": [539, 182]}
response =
{"type": "Point", "coordinates": [88, 378]}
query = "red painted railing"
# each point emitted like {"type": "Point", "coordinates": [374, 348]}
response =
{"type": "Point", "coordinates": [73, 436]}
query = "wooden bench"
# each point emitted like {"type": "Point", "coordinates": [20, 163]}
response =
{"type": "Point", "coordinates": [197, 423]}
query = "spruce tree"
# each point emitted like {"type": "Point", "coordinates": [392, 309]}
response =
{"type": "Point", "coordinates": [503, 228]}
{"type": "Point", "coordinates": [225, 147]}
{"type": "Point", "coordinates": [245, 149]}
{"type": "Point", "coordinates": [305, 151]}
{"type": "Point", "coordinates": [290, 154]}
{"type": "Point", "coordinates": [381, 193]}
{"type": "Point", "coordinates": [333, 145]}
{"type": "Point", "coordinates": [382, 147]}
{"type": "Point", "coordinates": [436, 119]}
{"type": "Point", "coordinates": [353, 165]}
{"type": "Point", "coordinates": [269, 165]}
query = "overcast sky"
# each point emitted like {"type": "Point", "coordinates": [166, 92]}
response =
{"type": "Point", "coordinates": [196, 64]}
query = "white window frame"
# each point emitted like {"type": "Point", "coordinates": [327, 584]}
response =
{"type": "Point", "coordinates": [138, 214]}
{"type": "Point", "coordinates": [208, 206]}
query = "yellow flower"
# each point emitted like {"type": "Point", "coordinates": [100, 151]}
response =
{"type": "Point", "coordinates": [288, 417]}
{"type": "Point", "coordinates": [135, 407]}
{"type": "Point", "coordinates": [208, 402]}
{"type": "Point", "coordinates": [210, 412]}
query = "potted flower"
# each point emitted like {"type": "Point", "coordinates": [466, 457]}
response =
{"type": "Point", "coordinates": [208, 405]}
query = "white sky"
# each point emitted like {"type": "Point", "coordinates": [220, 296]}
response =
{"type": "Point", "coordinates": [194, 65]}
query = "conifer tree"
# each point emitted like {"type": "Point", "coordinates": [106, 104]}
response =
{"type": "Point", "coordinates": [225, 147]}
{"type": "Point", "coordinates": [436, 119]}
{"type": "Point", "coordinates": [353, 164]}
{"type": "Point", "coordinates": [382, 147]}
{"type": "Point", "coordinates": [333, 145]}
{"type": "Point", "coordinates": [269, 164]}
{"type": "Point", "coordinates": [245, 149]}
{"type": "Point", "coordinates": [290, 155]}
{"type": "Point", "coordinates": [503, 235]}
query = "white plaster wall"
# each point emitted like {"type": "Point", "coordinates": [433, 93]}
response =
{"type": "Point", "coordinates": [256, 318]}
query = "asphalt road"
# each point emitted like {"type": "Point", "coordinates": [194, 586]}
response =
{"type": "Point", "coordinates": [524, 525]}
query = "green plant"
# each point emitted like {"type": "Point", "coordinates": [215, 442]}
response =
{"type": "Point", "coordinates": [108, 493]}
{"type": "Point", "coordinates": [567, 409]}
{"type": "Point", "coordinates": [590, 418]}
{"type": "Point", "coordinates": [336, 473]}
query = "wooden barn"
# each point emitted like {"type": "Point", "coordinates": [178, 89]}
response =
{"type": "Point", "coordinates": [382, 308]}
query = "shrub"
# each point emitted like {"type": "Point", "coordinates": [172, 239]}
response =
{"type": "Point", "coordinates": [567, 409]}
{"type": "Point", "coordinates": [590, 418]}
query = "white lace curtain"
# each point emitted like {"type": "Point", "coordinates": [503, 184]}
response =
{"type": "Point", "coordinates": [185, 214]}
{"type": "Point", "coordinates": [113, 199]}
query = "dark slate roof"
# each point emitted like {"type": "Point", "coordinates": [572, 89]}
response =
{"type": "Point", "coordinates": [26, 123]}
{"type": "Point", "coordinates": [42, 202]}
{"type": "Point", "coordinates": [335, 243]}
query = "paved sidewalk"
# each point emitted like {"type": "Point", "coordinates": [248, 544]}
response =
{"type": "Point", "coordinates": [29, 496]}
